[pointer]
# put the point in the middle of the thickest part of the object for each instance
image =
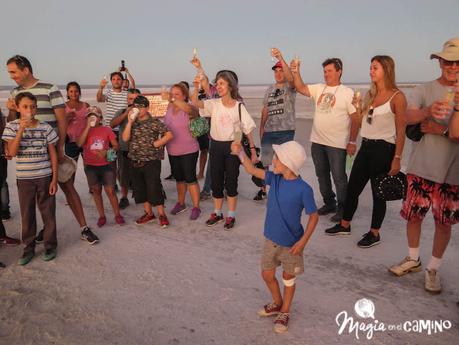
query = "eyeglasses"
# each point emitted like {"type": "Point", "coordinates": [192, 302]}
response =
{"type": "Point", "coordinates": [370, 116]}
{"type": "Point", "coordinates": [450, 63]}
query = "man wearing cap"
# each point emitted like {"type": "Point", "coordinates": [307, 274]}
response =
{"type": "Point", "coordinates": [277, 124]}
{"type": "Point", "coordinates": [334, 131]}
{"type": "Point", "coordinates": [120, 120]}
{"type": "Point", "coordinates": [433, 169]}
{"type": "Point", "coordinates": [50, 109]}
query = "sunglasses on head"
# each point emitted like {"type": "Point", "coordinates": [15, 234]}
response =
{"type": "Point", "coordinates": [370, 116]}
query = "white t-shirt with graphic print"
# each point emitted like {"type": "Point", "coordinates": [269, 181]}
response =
{"type": "Point", "coordinates": [333, 105]}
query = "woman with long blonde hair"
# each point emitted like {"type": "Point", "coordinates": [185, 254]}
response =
{"type": "Point", "coordinates": [382, 119]}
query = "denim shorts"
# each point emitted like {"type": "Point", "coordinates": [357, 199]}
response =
{"type": "Point", "coordinates": [270, 138]}
{"type": "Point", "coordinates": [100, 175]}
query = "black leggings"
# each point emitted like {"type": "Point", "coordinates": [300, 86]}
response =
{"type": "Point", "coordinates": [374, 158]}
{"type": "Point", "coordinates": [224, 169]}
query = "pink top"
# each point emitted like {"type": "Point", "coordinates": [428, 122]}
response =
{"type": "Point", "coordinates": [183, 142]}
{"type": "Point", "coordinates": [98, 139]}
{"type": "Point", "coordinates": [77, 123]}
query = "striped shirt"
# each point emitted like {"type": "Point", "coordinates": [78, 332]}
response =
{"type": "Point", "coordinates": [48, 98]}
{"type": "Point", "coordinates": [32, 160]}
{"type": "Point", "coordinates": [115, 101]}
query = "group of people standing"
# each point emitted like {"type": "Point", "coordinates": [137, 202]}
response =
{"type": "Point", "coordinates": [43, 129]}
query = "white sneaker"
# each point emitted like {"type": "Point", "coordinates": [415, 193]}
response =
{"type": "Point", "coordinates": [432, 281]}
{"type": "Point", "coordinates": [406, 266]}
{"type": "Point", "coordinates": [281, 323]}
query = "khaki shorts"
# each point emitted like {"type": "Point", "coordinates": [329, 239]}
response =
{"type": "Point", "coordinates": [274, 255]}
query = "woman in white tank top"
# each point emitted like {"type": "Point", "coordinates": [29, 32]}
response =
{"type": "Point", "coordinates": [383, 125]}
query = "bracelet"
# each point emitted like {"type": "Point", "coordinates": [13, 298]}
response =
{"type": "Point", "coordinates": [352, 143]}
{"type": "Point", "coordinates": [397, 157]}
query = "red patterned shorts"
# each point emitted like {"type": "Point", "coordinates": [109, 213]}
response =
{"type": "Point", "coordinates": [423, 194]}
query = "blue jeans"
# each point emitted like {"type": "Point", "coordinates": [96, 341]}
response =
{"type": "Point", "coordinates": [270, 138]}
{"type": "Point", "coordinates": [332, 160]}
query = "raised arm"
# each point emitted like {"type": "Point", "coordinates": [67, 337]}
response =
{"type": "Point", "coordinates": [300, 86]}
{"type": "Point", "coordinates": [236, 148]}
{"type": "Point", "coordinates": [130, 78]}
{"type": "Point", "coordinates": [13, 145]}
{"type": "Point", "coordinates": [288, 74]}
{"type": "Point", "coordinates": [12, 110]}
{"type": "Point", "coordinates": [194, 96]}
{"type": "Point", "coordinates": [84, 135]}
{"type": "Point", "coordinates": [126, 135]}
{"type": "Point", "coordinates": [119, 117]}
{"type": "Point", "coordinates": [100, 93]}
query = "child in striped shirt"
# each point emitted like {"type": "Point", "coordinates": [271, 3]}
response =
{"type": "Point", "coordinates": [32, 143]}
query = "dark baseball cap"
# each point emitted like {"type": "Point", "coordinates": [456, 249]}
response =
{"type": "Point", "coordinates": [142, 101]}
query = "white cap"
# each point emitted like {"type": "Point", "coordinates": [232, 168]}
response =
{"type": "Point", "coordinates": [291, 154]}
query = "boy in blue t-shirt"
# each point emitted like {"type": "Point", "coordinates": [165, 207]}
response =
{"type": "Point", "coordinates": [285, 237]}
{"type": "Point", "coordinates": [32, 143]}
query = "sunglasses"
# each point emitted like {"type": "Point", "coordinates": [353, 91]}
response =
{"type": "Point", "coordinates": [370, 116]}
{"type": "Point", "coordinates": [450, 63]}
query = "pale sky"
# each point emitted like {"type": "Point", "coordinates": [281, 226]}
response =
{"type": "Point", "coordinates": [84, 40]}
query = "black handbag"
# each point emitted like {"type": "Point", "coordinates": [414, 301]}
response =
{"type": "Point", "coordinates": [390, 188]}
{"type": "Point", "coordinates": [246, 146]}
{"type": "Point", "coordinates": [413, 132]}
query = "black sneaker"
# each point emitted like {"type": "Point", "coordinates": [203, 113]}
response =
{"type": "Point", "coordinates": [336, 218]}
{"type": "Point", "coordinates": [326, 209]}
{"type": "Point", "coordinates": [260, 196]}
{"type": "Point", "coordinates": [369, 240]}
{"type": "Point", "coordinates": [88, 235]}
{"type": "Point", "coordinates": [124, 202]}
{"type": "Point", "coordinates": [39, 239]}
{"type": "Point", "coordinates": [337, 229]}
{"type": "Point", "coordinates": [214, 219]}
{"type": "Point", "coordinates": [229, 223]}
{"type": "Point", "coordinates": [6, 215]}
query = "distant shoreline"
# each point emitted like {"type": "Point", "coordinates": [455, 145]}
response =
{"type": "Point", "coordinates": [140, 86]}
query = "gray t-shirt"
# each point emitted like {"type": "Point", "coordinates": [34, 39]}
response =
{"type": "Point", "coordinates": [281, 108]}
{"type": "Point", "coordinates": [123, 145]}
{"type": "Point", "coordinates": [435, 157]}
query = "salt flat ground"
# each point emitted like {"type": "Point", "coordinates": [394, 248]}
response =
{"type": "Point", "coordinates": [190, 284]}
